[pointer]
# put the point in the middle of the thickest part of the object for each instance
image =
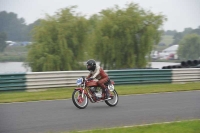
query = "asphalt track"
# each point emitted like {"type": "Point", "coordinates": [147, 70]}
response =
{"type": "Point", "coordinates": [62, 115]}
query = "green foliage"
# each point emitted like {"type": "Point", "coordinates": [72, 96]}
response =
{"type": "Point", "coordinates": [12, 26]}
{"type": "Point", "coordinates": [29, 28]}
{"type": "Point", "coordinates": [2, 41]}
{"type": "Point", "coordinates": [91, 37]}
{"type": "Point", "coordinates": [189, 47]}
{"type": "Point", "coordinates": [166, 41]}
{"type": "Point", "coordinates": [14, 53]}
{"type": "Point", "coordinates": [18, 58]}
{"type": "Point", "coordinates": [170, 32]}
{"type": "Point", "coordinates": [59, 42]}
{"type": "Point", "coordinates": [118, 38]}
{"type": "Point", "coordinates": [124, 37]}
{"type": "Point", "coordinates": [15, 28]}
{"type": "Point", "coordinates": [179, 35]}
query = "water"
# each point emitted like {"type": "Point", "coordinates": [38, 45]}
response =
{"type": "Point", "coordinates": [13, 67]}
{"type": "Point", "coordinates": [18, 67]}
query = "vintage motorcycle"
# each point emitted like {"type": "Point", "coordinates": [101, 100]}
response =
{"type": "Point", "coordinates": [90, 90]}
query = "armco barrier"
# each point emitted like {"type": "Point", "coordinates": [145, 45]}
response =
{"type": "Point", "coordinates": [40, 80]}
{"type": "Point", "coordinates": [36, 80]}
{"type": "Point", "coordinates": [12, 81]}
{"type": "Point", "coordinates": [140, 76]}
{"type": "Point", "coordinates": [186, 75]}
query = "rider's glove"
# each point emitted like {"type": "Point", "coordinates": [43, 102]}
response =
{"type": "Point", "coordinates": [90, 79]}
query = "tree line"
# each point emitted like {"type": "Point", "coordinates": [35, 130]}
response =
{"type": "Point", "coordinates": [177, 36]}
{"type": "Point", "coordinates": [188, 41]}
{"type": "Point", "coordinates": [117, 37]}
{"type": "Point", "coordinates": [15, 28]}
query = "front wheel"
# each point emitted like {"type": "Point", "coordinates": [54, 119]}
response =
{"type": "Point", "coordinates": [79, 101]}
{"type": "Point", "coordinates": [114, 99]}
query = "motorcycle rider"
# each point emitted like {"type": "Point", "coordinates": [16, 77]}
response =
{"type": "Point", "coordinates": [97, 72]}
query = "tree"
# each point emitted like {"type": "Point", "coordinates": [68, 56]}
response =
{"type": "Point", "coordinates": [91, 37]}
{"type": "Point", "coordinates": [2, 41]}
{"type": "Point", "coordinates": [125, 37]}
{"type": "Point", "coordinates": [189, 47]}
{"type": "Point", "coordinates": [14, 27]}
{"type": "Point", "coordinates": [179, 35]}
{"type": "Point", "coordinates": [196, 31]}
{"type": "Point", "coordinates": [170, 32]}
{"type": "Point", "coordinates": [59, 42]}
{"type": "Point", "coordinates": [29, 29]}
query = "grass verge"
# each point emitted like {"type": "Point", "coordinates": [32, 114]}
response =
{"type": "Point", "coordinates": [173, 127]}
{"type": "Point", "coordinates": [65, 93]}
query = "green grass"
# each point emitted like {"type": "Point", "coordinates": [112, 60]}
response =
{"type": "Point", "coordinates": [167, 39]}
{"type": "Point", "coordinates": [174, 127]}
{"type": "Point", "coordinates": [14, 53]}
{"type": "Point", "coordinates": [23, 96]}
{"type": "Point", "coordinates": [65, 93]}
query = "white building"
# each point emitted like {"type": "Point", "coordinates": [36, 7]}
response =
{"type": "Point", "coordinates": [10, 43]}
{"type": "Point", "coordinates": [154, 54]}
{"type": "Point", "coordinates": [170, 52]}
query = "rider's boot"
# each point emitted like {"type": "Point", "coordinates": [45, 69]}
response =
{"type": "Point", "coordinates": [107, 94]}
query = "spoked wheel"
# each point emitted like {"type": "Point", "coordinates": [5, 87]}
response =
{"type": "Point", "coordinates": [114, 99]}
{"type": "Point", "coordinates": [79, 101]}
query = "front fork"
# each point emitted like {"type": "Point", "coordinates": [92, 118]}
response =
{"type": "Point", "coordinates": [83, 91]}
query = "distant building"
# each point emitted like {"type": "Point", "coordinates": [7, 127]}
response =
{"type": "Point", "coordinates": [10, 43]}
{"type": "Point", "coordinates": [169, 53]}
{"type": "Point", "coordinates": [154, 54]}
{"type": "Point", "coordinates": [25, 43]}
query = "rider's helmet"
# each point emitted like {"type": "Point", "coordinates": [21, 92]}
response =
{"type": "Point", "coordinates": [91, 65]}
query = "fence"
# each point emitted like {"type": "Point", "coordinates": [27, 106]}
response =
{"type": "Point", "coordinates": [186, 75]}
{"type": "Point", "coordinates": [40, 80]}
{"type": "Point", "coordinates": [140, 76]}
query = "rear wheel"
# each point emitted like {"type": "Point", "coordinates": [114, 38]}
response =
{"type": "Point", "coordinates": [114, 99]}
{"type": "Point", "coordinates": [79, 101]}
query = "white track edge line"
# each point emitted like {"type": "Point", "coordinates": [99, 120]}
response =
{"type": "Point", "coordinates": [142, 125]}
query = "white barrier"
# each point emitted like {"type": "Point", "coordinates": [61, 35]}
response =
{"type": "Point", "coordinates": [186, 75]}
{"type": "Point", "coordinates": [36, 80]}
{"type": "Point", "coordinates": [41, 80]}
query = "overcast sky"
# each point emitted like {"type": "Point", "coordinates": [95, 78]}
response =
{"type": "Point", "coordinates": [180, 13]}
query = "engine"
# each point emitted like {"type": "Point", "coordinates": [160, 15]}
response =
{"type": "Point", "coordinates": [93, 89]}
{"type": "Point", "coordinates": [97, 91]}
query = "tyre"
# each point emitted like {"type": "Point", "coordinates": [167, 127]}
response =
{"type": "Point", "coordinates": [79, 101]}
{"type": "Point", "coordinates": [114, 99]}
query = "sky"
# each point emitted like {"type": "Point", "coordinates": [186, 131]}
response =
{"type": "Point", "coordinates": [180, 13]}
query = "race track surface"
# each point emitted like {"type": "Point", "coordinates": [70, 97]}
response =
{"type": "Point", "coordinates": [62, 115]}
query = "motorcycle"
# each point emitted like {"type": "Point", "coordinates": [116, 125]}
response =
{"type": "Point", "coordinates": [90, 90]}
